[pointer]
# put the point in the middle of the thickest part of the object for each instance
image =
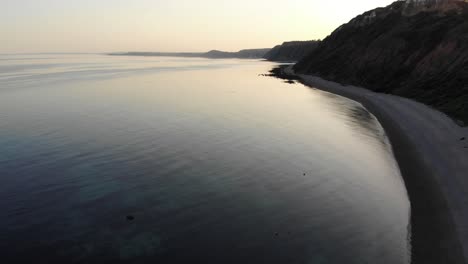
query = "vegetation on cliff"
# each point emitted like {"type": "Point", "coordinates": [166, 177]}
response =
{"type": "Point", "coordinates": [415, 49]}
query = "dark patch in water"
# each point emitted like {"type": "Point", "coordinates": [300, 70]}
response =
{"type": "Point", "coordinates": [278, 72]}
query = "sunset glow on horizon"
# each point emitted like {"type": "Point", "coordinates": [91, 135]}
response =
{"type": "Point", "coordinates": [177, 25]}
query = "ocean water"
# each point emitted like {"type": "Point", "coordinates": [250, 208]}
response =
{"type": "Point", "coordinates": [109, 159]}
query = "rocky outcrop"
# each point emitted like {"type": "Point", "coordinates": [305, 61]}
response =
{"type": "Point", "coordinates": [291, 51]}
{"type": "Point", "coordinates": [415, 6]}
{"type": "Point", "coordinates": [415, 49]}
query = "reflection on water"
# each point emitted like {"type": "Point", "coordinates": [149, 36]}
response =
{"type": "Point", "coordinates": [363, 122]}
{"type": "Point", "coordinates": [171, 160]}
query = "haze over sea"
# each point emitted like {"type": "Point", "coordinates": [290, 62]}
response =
{"type": "Point", "coordinates": [171, 160]}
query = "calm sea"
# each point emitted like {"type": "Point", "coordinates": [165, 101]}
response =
{"type": "Point", "coordinates": [171, 160]}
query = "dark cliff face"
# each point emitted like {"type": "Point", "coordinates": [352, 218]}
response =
{"type": "Point", "coordinates": [416, 51]}
{"type": "Point", "coordinates": [291, 51]}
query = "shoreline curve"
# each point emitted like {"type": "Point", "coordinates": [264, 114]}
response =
{"type": "Point", "coordinates": [432, 153]}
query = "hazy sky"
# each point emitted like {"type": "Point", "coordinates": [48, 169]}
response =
{"type": "Point", "coordinates": [170, 25]}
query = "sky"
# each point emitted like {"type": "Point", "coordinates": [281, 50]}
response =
{"type": "Point", "coordinates": [29, 26]}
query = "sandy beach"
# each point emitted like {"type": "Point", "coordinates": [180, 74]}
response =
{"type": "Point", "coordinates": [432, 152]}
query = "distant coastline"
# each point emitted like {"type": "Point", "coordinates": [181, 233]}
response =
{"type": "Point", "coordinates": [213, 54]}
{"type": "Point", "coordinates": [290, 51]}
